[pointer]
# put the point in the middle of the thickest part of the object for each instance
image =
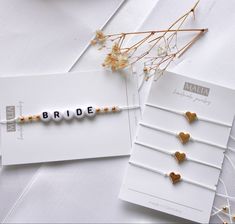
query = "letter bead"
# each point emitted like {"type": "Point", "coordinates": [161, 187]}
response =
{"type": "Point", "coordinates": [79, 113]}
{"type": "Point", "coordinates": [45, 116]}
{"type": "Point", "coordinates": [57, 116]}
{"type": "Point", "coordinates": [68, 115]}
{"type": "Point", "coordinates": [90, 111]}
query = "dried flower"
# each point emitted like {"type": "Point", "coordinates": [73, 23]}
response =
{"type": "Point", "coordinates": [146, 70]}
{"type": "Point", "coordinates": [116, 60]}
{"type": "Point", "coordinates": [165, 43]}
{"type": "Point", "coordinates": [116, 49]}
{"type": "Point", "coordinates": [100, 38]}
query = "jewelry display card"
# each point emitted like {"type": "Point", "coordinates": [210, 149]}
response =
{"type": "Point", "coordinates": [102, 136]}
{"type": "Point", "coordinates": [158, 151]}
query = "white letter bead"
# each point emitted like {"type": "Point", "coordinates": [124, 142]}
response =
{"type": "Point", "coordinates": [79, 113]}
{"type": "Point", "coordinates": [45, 116]}
{"type": "Point", "coordinates": [90, 111]}
{"type": "Point", "coordinates": [68, 115]}
{"type": "Point", "coordinates": [57, 116]}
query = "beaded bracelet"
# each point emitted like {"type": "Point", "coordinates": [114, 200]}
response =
{"type": "Point", "coordinates": [190, 116]}
{"type": "Point", "coordinates": [175, 178]}
{"type": "Point", "coordinates": [179, 156]}
{"type": "Point", "coordinates": [78, 113]}
{"type": "Point", "coordinates": [182, 136]}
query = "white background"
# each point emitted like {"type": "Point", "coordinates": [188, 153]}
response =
{"type": "Point", "coordinates": [87, 191]}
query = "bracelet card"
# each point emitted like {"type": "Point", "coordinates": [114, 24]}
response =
{"type": "Point", "coordinates": [147, 185]}
{"type": "Point", "coordinates": [105, 135]}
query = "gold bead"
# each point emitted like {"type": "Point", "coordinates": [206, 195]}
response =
{"type": "Point", "coordinates": [34, 118]}
{"type": "Point", "coordinates": [225, 208]}
{"type": "Point", "coordinates": [98, 110]}
{"type": "Point", "coordinates": [106, 109]}
{"type": "Point", "coordinates": [114, 109]}
{"type": "Point", "coordinates": [22, 119]}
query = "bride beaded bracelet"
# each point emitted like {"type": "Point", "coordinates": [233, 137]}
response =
{"type": "Point", "coordinates": [78, 113]}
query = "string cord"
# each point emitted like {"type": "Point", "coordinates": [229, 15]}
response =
{"type": "Point", "coordinates": [183, 114]}
{"type": "Point", "coordinates": [232, 137]}
{"type": "Point", "coordinates": [173, 155]}
{"type": "Point", "coordinates": [136, 164]}
{"type": "Point", "coordinates": [8, 121]}
{"type": "Point", "coordinates": [217, 211]}
{"type": "Point", "coordinates": [227, 197]}
{"type": "Point", "coordinates": [176, 134]}
{"type": "Point", "coordinates": [228, 202]}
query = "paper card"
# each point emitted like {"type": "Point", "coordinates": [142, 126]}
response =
{"type": "Point", "coordinates": [48, 36]}
{"type": "Point", "coordinates": [154, 190]}
{"type": "Point", "coordinates": [105, 135]}
{"type": "Point", "coordinates": [184, 94]}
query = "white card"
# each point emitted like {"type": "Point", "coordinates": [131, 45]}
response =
{"type": "Point", "coordinates": [105, 135]}
{"type": "Point", "coordinates": [48, 36]}
{"type": "Point", "coordinates": [154, 190]}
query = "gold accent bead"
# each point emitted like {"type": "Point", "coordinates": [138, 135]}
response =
{"type": "Point", "coordinates": [225, 208]}
{"type": "Point", "coordinates": [114, 109]}
{"type": "Point", "coordinates": [180, 156]}
{"type": "Point", "coordinates": [22, 119]}
{"type": "Point", "coordinates": [191, 117]}
{"type": "Point", "coordinates": [98, 110]}
{"type": "Point", "coordinates": [35, 118]}
{"type": "Point", "coordinates": [106, 109]}
{"type": "Point", "coordinates": [175, 178]}
{"type": "Point", "coordinates": [30, 118]}
{"type": "Point", "coordinates": [184, 137]}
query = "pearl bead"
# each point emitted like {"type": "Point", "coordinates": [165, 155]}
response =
{"type": "Point", "coordinates": [79, 113]}
{"type": "Point", "coordinates": [57, 116]}
{"type": "Point", "coordinates": [90, 111]}
{"type": "Point", "coordinates": [68, 115]}
{"type": "Point", "coordinates": [45, 116]}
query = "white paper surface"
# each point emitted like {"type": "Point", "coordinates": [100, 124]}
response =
{"type": "Point", "coordinates": [211, 58]}
{"type": "Point", "coordinates": [79, 139]}
{"type": "Point", "coordinates": [153, 190]}
{"type": "Point", "coordinates": [48, 36]}
{"type": "Point", "coordinates": [14, 179]}
{"type": "Point", "coordinates": [56, 180]}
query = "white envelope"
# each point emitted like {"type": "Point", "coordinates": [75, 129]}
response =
{"type": "Point", "coordinates": [48, 36]}
{"type": "Point", "coordinates": [24, 176]}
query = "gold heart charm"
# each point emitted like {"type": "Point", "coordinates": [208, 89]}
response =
{"type": "Point", "coordinates": [180, 156]}
{"type": "Point", "coordinates": [184, 137]}
{"type": "Point", "coordinates": [191, 117]}
{"type": "Point", "coordinates": [175, 178]}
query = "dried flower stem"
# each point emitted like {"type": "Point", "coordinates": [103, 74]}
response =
{"type": "Point", "coordinates": [164, 41]}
